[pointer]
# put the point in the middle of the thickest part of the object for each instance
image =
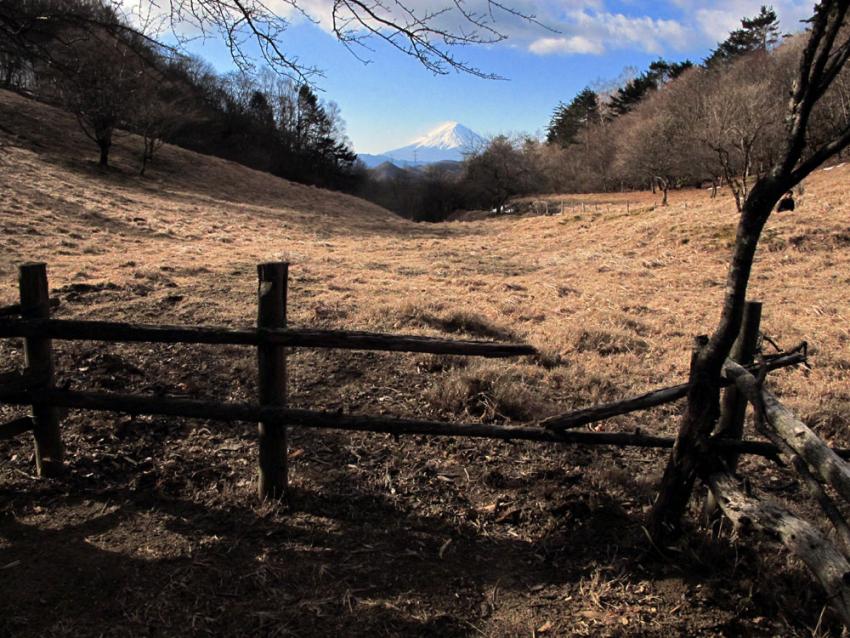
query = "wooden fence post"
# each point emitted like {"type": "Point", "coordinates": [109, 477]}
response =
{"type": "Point", "coordinates": [38, 353]}
{"type": "Point", "coordinates": [733, 407]}
{"type": "Point", "coordinates": [271, 363]}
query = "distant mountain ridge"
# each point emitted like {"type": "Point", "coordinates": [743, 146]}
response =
{"type": "Point", "coordinates": [449, 141]}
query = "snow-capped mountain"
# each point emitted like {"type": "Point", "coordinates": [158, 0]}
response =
{"type": "Point", "coordinates": [449, 141]}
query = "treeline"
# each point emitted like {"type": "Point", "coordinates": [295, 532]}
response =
{"type": "Point", "coordinates": [486, 179]}
{"type": "Point", "coordinates": [677, 124]}
{"type": "Point", "coordinates": [80, 55]}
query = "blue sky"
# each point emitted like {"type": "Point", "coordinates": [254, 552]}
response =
{"type": "Point", "coordinates": [394, 99]}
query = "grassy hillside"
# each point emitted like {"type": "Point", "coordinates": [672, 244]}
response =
{"type": "Point", "coordinates": [385, 537]}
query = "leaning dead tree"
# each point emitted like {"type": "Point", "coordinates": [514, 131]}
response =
{"type": "Point", "coordinates": [822, 60]}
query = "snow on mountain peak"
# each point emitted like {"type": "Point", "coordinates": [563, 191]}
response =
{"type": "Point", "coordinates": [449, 135]}
{"type": "Point", "coordinates": [449, 141]}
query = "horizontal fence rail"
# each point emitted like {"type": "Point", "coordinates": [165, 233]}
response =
{"type": "Point", "coordinates": [273, 339]}
{"type": "Point", "coordinates": [16, 309]}
{"type": "Point", "coordinates": [249, 412]}
{"type": "Point", "coordinates": [16, 427]}
{"type": "Point", "coordinates": [112, 331]}
{"type": "Point", "coordinates": [652, 399]}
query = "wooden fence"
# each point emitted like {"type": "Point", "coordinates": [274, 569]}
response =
{"type": "Point", "coordinates": [711, 455]}
{"type": "Point", "coordinates": [31, 320]}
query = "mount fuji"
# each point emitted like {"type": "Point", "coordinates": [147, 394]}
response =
{"type": "Point", "coordinates": [449, 141]}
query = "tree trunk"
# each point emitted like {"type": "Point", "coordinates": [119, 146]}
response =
{"type": "Point", "coordinates": [147, 154]}
{"type": "Point", "coordinates": [692, 441]}
{"type": "Point", "coordinates": [104, 153]}
{"type": "Point", "coordinates": [103, 137]}
{"type": "Point", "coordinates": [704, 397]}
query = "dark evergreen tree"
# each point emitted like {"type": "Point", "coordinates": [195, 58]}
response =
{"type": "Point", "coordinates": [261, 111]}
{"type": "Point", "coordinates": [759, 33]}
{"type": "Point", "coordinates": [664, 72]}
{"type": "Point", "coordinates": [568, 120]}
{"type": "Point", "coordinates": [660, 72]}
{"type": "Point", "coordinates": [629, 95]}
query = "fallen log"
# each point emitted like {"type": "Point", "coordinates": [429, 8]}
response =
{"type": "Point", "coordinates": [801, 538]}
{"type": "Point", "coordinates": [649, 400]}
{"type": "Point", "coordinates": [842, 529]}
{"type": "Point", "coordinates": [822, 460]}
{"type": "Point", "coordinates": [753, 390]}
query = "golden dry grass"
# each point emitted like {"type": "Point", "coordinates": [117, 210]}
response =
{"type": "Point", "coordinates": [616, 296]}
{"type": "Point", "coordinates": [611, 298]}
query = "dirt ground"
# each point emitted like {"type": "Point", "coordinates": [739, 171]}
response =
{"type": "Point", "coordinates": [156, 529]}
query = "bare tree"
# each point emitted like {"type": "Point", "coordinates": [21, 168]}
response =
{"type": "Point", "coordinates": [431, 35]}
{"type": "Point", "coordinates": [651, 144]}
{"type": "Point", "coordinates": [97, 83]}
{"type": "Point", "coordinates": [500, 171]}
{"type": "Point", "coordinates": [741, 119]}
{"type": "Point", "coordinates": [159, 108]}
{"type": "Point", "coordinates": [821, 62]}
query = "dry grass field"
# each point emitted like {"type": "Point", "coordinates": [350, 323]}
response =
{"type": "Point", "coordinates": [156, 529]}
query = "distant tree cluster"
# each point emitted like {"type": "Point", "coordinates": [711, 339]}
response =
{"type": "Point", "coordinates": [486, 179]}
{"type": "Point", "coordinates": [675, 124]}
{"type": "Point", "coordinates": [80, 55]}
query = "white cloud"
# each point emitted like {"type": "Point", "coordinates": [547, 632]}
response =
{"type": "Point", "coordinates": [600, 31]}
{"type": "Point", "coordinates": [717, 24]}
{"type": "Point", "coordinates": [714, 20]}
{"type": "Point", "coordinates": [572, 44]}
{"type": "Point", "coordinates": [590, 29]}
{"type": "Point", "coordinates": [578, 27]}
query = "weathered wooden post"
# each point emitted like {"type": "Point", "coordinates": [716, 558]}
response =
{"type": "Point", "coordinates": [38, 352]}
{"type": "Point", "coordinates": [271, 363]}
{"type": "Point", "coordinates": [733, 407]}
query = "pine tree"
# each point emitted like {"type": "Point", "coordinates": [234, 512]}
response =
{"type": "Point", "coordinates": [568, 120]}
{"type": "Point", "coordinates": [764, 28]}
{"type": "Point", "coordinates": [759, 33]}
{"type": "Point", "coordinates": [660, 72]}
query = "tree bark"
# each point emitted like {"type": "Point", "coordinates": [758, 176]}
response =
{"type": "Point", "coordinates": [691, 443]}
{"type": "Point", "coordinates": [38, 357]}
{"type": "Point", "coordinates": [734, 405]}
{"type": "Point", "coordinates": [104, 153]}
{"type": "Point", "coordinates": [801, 538]}
{"type": "Point", "coordinates": [733, 409]}
{"type": "Point", "coordinates": [794, 433]}
{"type": "Point", "coordinates": [273, 464]}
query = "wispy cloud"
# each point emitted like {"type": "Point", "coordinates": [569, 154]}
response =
{"type": "Point", "coordinates": [714, 20]}
{"type": "Point", "coordinates": [575, 27]}
{"type": "Point", "coordinates": [597, 32]}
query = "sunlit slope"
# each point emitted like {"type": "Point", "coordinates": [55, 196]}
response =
{"type": "Point", "coordinates": [613, 288]}
{"type": "Point", "coordinates": [57, 205]}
